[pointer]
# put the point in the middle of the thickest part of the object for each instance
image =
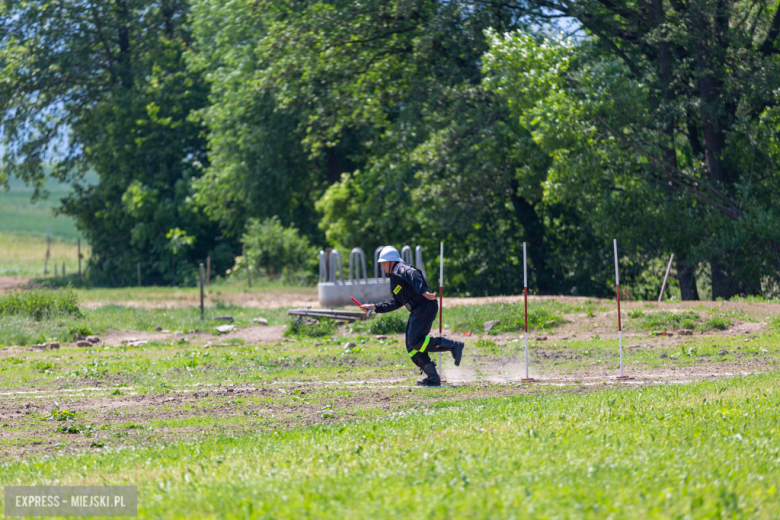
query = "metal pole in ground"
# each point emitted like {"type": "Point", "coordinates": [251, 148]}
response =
{"type": "Point", "coordinates": [208, 270]}
{"type": "Point", "coordinates": [441, 291]}
{"type": "Point", "coordinates": [138, 268]}
{"type": "Point", "coordinates": [63, 269]}
{"type": "Point", "coordinates": [666, 276]}
{"type": "Point", "coordinates": [620, 325]}
{"type": "Point", "coordinates": [201, 291]}
{"type": "Point", "coordinates": [525, 303]}
{"type": "Point", "coordinates": [79, 252]}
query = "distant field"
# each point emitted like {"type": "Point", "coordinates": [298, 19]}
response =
{"type": "Point", "coordinates": [24, 255]}
{"type": "Point", "coordinates": [23, 231]}
{"type": "Point", "coordinates": [18, 216]}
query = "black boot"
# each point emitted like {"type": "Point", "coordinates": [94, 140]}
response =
{"type": "Point", "coordinates": [433, 378]}
{"type": "Point", "coordinates": [455, 348]}
{"type": "Point", "coordinates": [457, 352]}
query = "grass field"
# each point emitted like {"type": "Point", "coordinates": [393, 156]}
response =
{"type": "Point", "coordinates": [24, 255]}
{"type": "Point", "coordinates": [19, 217]}
{"type": "Point", "coordinates": [255, 424]}
{"type": "Point", "coordinates": [704, 450]}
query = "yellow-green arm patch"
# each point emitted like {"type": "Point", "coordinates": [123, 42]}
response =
{"type": "Point", "coordinates": [397, 289]}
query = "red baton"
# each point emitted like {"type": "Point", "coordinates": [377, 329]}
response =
{"type": "Point", "coordinates": [358, 304]}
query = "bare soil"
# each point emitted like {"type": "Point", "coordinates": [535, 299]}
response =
{"type": "Point", "coordinates": [250, 335]}
{"type": "Point", "coordinates": [9, 283]}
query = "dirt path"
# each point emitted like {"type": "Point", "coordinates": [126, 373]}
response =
{"type": "Point", "coordinates": [251, 335]}
{"type": "Point", "coordinates": [205, 410]}
{"type": "Point", "coordinates": [9, 283]}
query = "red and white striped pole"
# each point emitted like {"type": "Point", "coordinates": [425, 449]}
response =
{"type": "Point", "coordinates": [525, 301]}
{"type": "Point", "coordinates": [441, 290]}
{"type": "Point", "coordinates": [620, 324]}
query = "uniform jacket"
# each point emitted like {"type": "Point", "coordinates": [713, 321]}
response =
{"type": "Point", "coordinates": [408, 286]}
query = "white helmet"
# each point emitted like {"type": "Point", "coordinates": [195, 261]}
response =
{"type": "Point", "coordinates": [389, 254]}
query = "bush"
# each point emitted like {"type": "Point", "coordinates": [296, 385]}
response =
{"type": "Point", "coordinates": [277, 251]}
{"type": "Point", "coordinates": [664, 320]}
{"type": "Point", "coordinates": [80, 329]}
{"type": "Point", "coordinates": [718, 322]}
{"type": "Point", "coordinates": [323, 327]}
{"type": "Point", "coordinates": [40, 303]}
{"type": "Point", "coordinates": [390, 323]}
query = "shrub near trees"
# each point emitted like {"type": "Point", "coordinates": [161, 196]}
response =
{"type": "Point", "coordinates": [367, 123]}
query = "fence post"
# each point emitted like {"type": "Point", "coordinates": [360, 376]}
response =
{"type": "Point", "coordinates": [208, 270]}
{"type": "Point", "coordinates": [48, 251]}
{"type": "Point", "coordinates": [248, 273]}
{"type": "Point", "coordinates": [79, 261]}
{"type": "Point", "coordinates": [63, 269]}
{"type": "Point", "coordinates": [138, 268]}
{"type": "Point", "coordinates": [201, 291]}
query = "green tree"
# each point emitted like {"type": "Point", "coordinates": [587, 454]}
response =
{"type": "Point", "coordinates": [381, 84]}
{"type": "Point", "coordinates": [105, 86]}
{"type": "Point", "coordinates": [664, 117]}
{"type": "Point", "coordinates": [259, 165]}
{"type": "Point", "coordinates": [277, 251]}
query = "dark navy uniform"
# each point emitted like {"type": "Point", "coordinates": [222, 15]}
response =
{"type": "Point", "coordinates": [408, 286]}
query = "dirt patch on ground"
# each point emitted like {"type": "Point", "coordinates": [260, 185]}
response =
{"type": "Point", "coordinates": [250, 335]}
{"type": "Point", "coordinates": [10, 283]}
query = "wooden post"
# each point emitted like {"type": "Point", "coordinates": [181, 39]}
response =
{"type": "Point", "coordinates": [666, 276]}
{"type": "Point", "coordinates": [201, 291]}
{"type": "Point", "coordinates": [138, 268]}
{"type": "Point", "coordinates": [63, 269]}
{"type": "Point", "coordinates": [208, 270]}
{"type": "Point", "coordinates": [48, 251]}
{"type": "Point", "coordinates": [55, 270]}
{"type": "Point", "coordinates": [79, 261]}
{"type": "Point", "coordinates": [248, 273]}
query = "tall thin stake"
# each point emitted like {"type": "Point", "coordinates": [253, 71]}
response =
{"type": "Point", "coordinates": [441, 290]}
{"type": "Point", "coordinates": [79, 252]}
{"type": "Point", "coordinates": [525, 302]}
{"type": "Point", "coordinates": [138, 269]}
{"type": "Point", "coordinates": [620, 323]}
{"type": "Point", "coordinates": [666, 276]}
{"type": "Point", "coordinates": [201, 291]}
{"type": "Point", "coordinates": [246, 262]}
{"type": "Point", "coordinates": [208, 270]}
{"type": "Point", "coordinates": [48, 251]}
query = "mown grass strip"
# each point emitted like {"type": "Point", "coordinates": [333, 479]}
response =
{"type": "Point", "coordinates": [704, 450]}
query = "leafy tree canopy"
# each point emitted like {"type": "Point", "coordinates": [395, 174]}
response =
{"type": "Point", "coordinates": [106, 83]}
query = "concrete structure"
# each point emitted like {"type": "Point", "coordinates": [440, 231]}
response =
{"type": "Point", "coordinates": [334, 291]}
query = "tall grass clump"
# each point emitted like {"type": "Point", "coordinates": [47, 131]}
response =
{"type": "Point", "coordinates": [541, 316]}
{"type": "Point", "coordinates": [323, 327]}
{"type": "Point", "coordinates": [40, 303]}
{"type": "Point", "coordinates": [664, 320]}
{"type": "Point", "coordinates": [683, 320]}
{"type": "Point", "coordinates": [390, 323]}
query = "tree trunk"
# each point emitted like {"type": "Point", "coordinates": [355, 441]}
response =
{"type": "Point", "coordinates": [534, 231]}
{"type": "Point", "coordinates": [686, 275]}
